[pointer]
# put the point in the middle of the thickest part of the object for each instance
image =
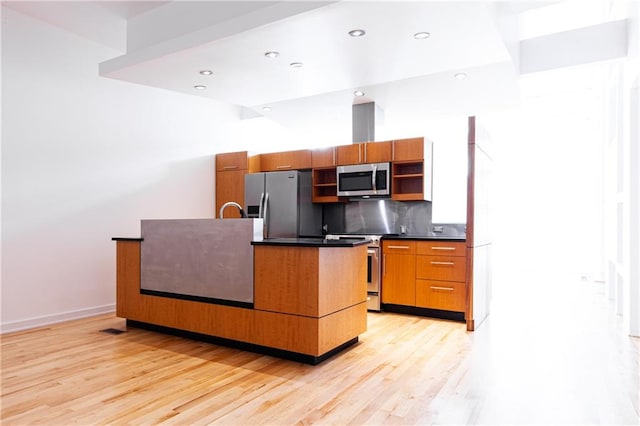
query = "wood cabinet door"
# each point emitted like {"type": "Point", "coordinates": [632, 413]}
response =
{"type": "Point", "coordinates": [287, 160]}
{"type": "Point", "coordinates": [349, 154]}
{"type": "Point", "coordinates": [399, 279]}
{"type": "Point", "coordinates": [408, 149]}
{"type": "Point", "coordinates": [377, 152]}
{"type": "Point", "coordinates": [229, 187]}
{"type": "Point", "coordinates": [231, 161]}
{"type": "Point", "coordinates": [323, 157]}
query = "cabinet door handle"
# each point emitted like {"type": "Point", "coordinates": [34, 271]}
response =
{"type": "Point", "coordinates": [399, 247]}
{"type": "Point", "coordinates": [384, 264]}
{"type": "Point", "coordinates": [442, 263]}
{"type": "Point", "coordinates": [441, 288]}
{"type": "Point", "coordinates": [230, 167]}
{"type": "Point", "coordinates": [288, 166]}
{"type": "Point", "coordinates": [443, 248]}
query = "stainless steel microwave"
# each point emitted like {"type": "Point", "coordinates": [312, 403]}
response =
{"type": "Point", "coordinates": [364, 180]}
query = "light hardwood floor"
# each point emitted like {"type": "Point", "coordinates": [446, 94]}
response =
{"type": "Point", "coordinates": [538, 360]}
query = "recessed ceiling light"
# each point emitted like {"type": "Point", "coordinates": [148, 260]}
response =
{"type": "Point", "coordinates": [460, 76]}
{"type": "Point", "coordinates": [421, 35]}
{"type": "Point", "coordinates": [358, 93]}
{"type": "Point", "coordinates": [296, 64]}
{"type": "Point", "coordinates": [266, 109]}
{"type": "Point", "coordinates": [272, 54]}
{"type": "Point", "coordinates": [357, 33]}
{"type": "Point", "coordinates": [206, 72]}
{"type": "Point", "coordinates": [199, 87]}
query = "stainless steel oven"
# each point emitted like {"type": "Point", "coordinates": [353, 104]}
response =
{"type": "Point", "coordinates": [374, 271]}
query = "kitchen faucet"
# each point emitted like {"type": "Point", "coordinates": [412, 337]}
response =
{"type": "Point", "coordinates": [234, 204]}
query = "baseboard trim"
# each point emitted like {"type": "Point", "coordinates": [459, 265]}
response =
{"type": "Point", "coordinates": [10, 327]}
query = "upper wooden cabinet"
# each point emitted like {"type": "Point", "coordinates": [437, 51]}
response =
{"type": "Point", "coordinates": [237, 161]}
{"type": "Point", "coordinates": [349, 154]}
{"type": "Point", "coordinates": [286, 160]}
{"type": "Point", "coordinates": [367, 152]}
{"type": "Point", "coordinates": [377, 152]}
{"type": "Point", "coordinates": [408, 149]}
{"type": "Point", "coordinates": [323, 157]}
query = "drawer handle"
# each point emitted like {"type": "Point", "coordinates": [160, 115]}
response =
{"type": "Point", "coordinates": [443, 248]}
{"type": "Point", "coordinates": [441, 288]}
{"type": "Point", "coordinates": [230, 167]}
{"type": "Point", "coordinates": [443, 263]}
{"type": "Point", "coordinates": [283, 167]}
{"type": "Point", "coordinates": [399, 247]}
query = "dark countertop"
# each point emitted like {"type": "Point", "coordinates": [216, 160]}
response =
{"type": "Point", "coordinates": [310, 242]}
{"type": "Point", "coordinates": [426, 237]}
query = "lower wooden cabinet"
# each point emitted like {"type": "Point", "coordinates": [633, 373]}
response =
{"type": "Point", "coordinates": [424, 274]}
{"type": "Point", "coordinates": [399, 279]}
{"type": "Point", "coordinates": [447, 296]}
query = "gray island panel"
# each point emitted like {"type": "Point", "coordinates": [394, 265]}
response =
{"type": "Point", "coordinates": [210, 258]}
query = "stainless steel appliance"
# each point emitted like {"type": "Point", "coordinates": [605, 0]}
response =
{"type": "Point", "coordinates": [283, 200]}
{"type": "Point", "coordinates": [374, 267]}
{"type": "Point", "coordinates": [364, 180]}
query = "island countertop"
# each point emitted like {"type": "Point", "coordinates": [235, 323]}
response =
{"type": "Point", "coordinates": [310, 242]}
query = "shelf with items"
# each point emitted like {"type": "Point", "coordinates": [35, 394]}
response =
{"type": "Point", "coordinates": [325, 186]}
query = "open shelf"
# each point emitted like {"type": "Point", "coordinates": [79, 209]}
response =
{"type": "Point", "coordinates": [408, 181]}
{"type": "Point", "coordinates": [325, 186]}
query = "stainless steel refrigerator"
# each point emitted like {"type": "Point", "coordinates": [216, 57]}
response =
{"type": "Point", "coordinates": [283, 200]}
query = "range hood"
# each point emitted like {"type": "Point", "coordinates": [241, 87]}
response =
{"type": "Point", "coordinates": [364, 118]}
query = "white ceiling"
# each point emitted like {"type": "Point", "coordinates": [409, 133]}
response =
{"type": "Point", "coordinates": [170, 42]}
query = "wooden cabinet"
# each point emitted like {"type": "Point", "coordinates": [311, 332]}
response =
{"type": "Point", "coordinates": [425, 274]}
{"type": "Point", "coordinates": [286, 160]}
{"type": "Point", "coordinates": [398, 272]}
{"type": "Point", "coordinates": [378, 152]}
{"type": "Point", "coordinates": [323, 157]}
{"type": "Point", "coordinates": [412, 180]}
{"type": "Point", "coordinates": [411, 149]}
{"type": "Point", "coordinates": [229, 187]}
{"type": "Point", "coordinates": [230, 170]}
{"type": "Point", "coordinates": [349, 154]}
{"type": "Point", "coordinates": [446, 296]}
{"type": "Point", "coordinates": [361, 153]}
{"type": "Point", "coordinates": [233, 161]}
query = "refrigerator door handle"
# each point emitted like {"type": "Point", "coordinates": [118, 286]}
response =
{"type": "Point", "coordinates": [265, 232]}
{"type": "Point", "coordinates": [260, 211]}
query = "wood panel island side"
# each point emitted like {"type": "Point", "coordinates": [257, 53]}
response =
{"type": "Point", "coordinates": [309, 299]}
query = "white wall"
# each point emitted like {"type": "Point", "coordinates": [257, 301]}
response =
{"type": "Point", "coordinates": [84, 158]}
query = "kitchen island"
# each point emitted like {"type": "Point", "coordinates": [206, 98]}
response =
{"type": "Point", "coordinates": [309, 300]}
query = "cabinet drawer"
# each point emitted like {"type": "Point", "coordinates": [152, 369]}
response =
{"type": "Point", "coordinates": [448, 296]}
{"type": "Point", "coordinates": [442, 248]}
{"type": "Point", "coordinates": [441, 268]}
{"type": "Point", "coordinates": [399, 246]}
